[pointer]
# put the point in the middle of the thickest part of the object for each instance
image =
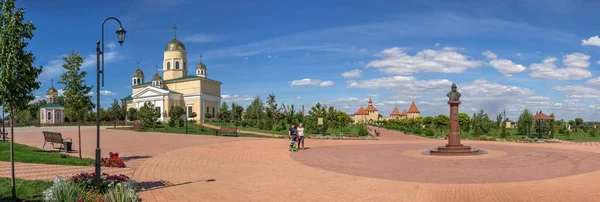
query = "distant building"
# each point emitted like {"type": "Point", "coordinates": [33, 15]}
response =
{"type": "Point", "coordinates": [371, 114]}
{"type": "Point", "coordinates": [510, 124]}
{"type": "Point", "coordinates": [52, 112]}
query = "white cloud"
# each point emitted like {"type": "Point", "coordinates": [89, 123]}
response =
{"type": "Point", "coordinates": [237, 98]}
{"type": "Point", "coordinates": [437, 44]}
{"type": "Point", "coordinates": [592, 41]}
{"type": "Point", "coordinates": [61, 92]}
{"type": "Point", "coordinates": [269, 56]}
{"type": "Point", "coordinates": [91, 93]}
{"type": "Point", "coordinates": [311, 82]}
{"type": "Point", "coordinates": [106, 92]}
{"type": "Point", "coordinates": [406, 85]}
{"type": "Point", "coordinates": [447, 60]}
{"type": "Point", "coordinates": [53, 69]}
{"type": "Point", "coordinates": [579, 92]}
{"type": "Point", "coordinates": [326, 83]}
{"type": "Point", "coordinates": [576, 68]}
{"type": "Point", "coordinates": [199, 38]}
{"type": "Point", "coordinates": [594, 81]}
{"type": "Point", "coordinates": [35, 100]}
{"type": "Point", "coordinates": [352, 74]}
{"type": "Point", "coordinates": [484, 90]}
{"type": "Point", "coordinates": [598, 62]}
{"type": "Point", "coordinates": [504, 66]}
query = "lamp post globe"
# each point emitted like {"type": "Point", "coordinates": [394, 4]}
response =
{"type": "Point", "coordinates": [121, 34]}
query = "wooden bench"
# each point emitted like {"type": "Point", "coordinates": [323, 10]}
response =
{"type": "Point", "coordinates": [55, 138]}
{"type": "Point", "coordinates": [229, 131]}
{"type": "Point", "coordinates": [3, 135]}
{"type": "Point", "coordinates": [137, 126]}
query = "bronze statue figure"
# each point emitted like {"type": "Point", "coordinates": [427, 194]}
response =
{"type": "Point", "coordinates": [453, 95]}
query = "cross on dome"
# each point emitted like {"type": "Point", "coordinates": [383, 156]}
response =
{"type": "Point", "coordinates": [175, 31]}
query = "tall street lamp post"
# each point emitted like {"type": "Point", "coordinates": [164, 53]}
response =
{"type": "Point", "coordinates": [100, 52]}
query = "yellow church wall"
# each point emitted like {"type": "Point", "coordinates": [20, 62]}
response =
{"type": "Point", "coordinates": [130, 105]}
{"type": "Point", "coordinates": [195, 108]}
{"type": "Point", "coordinates": [172, 57]}
{"type": "Point", "coordinates": [211, 88]}
{"type": "Point", "coordinates": [185, 87]}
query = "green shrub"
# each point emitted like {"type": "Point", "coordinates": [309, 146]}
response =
{"type": "Point", "coordinates": [362, 130]}
{"type": "Point", "coordinates": [429, 132]}
{"type": "Point", "coordinates": [65, 190]}
{"type": "Point", "coordinates": [593, 133]}
{"type": "Point", "coordinates": [418, 131]}
{"type": "Point", "coordinates": [122, 192]}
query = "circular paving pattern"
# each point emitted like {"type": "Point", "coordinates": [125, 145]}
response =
{"type": "Point", "coordinates": [403, 162]}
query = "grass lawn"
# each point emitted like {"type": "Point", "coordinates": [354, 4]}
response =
{"type": "Point", "coordinates": [27, 154]}
{"type": "Point", "coordinates": [283, 132]}
{"type": "Point", "coordinates": [192, 130]}
{"type": "Point", "coordinates": [579, 137]}
{"type": "Point", "coordinates": [346, 131]}
{"type": "Point", "coordinates": [27, 190]}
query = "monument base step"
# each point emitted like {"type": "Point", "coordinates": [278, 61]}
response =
{"type": "Point", "coordinates": [454, 150]}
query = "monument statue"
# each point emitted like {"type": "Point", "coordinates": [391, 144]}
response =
{"type": "Point", "coordinates": [454, 147]}
{"type": "Point", "coordinates": [453, 95]}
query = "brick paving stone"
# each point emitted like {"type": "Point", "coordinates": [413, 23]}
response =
{"type": "Point", "coordinates": [255, 169]}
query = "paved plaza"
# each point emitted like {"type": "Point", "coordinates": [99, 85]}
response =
{"type": "Point", "coordinates": [173, 167]}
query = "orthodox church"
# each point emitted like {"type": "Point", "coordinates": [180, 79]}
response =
{"type": "Point", "coordinates": [177, 86]}
{"type": "Point", "coordinates": [52, 112]}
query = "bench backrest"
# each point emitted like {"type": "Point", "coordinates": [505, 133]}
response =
{"type": "Point", "coordinates": [53, 137]}
{"type": "Point", "coordinates": [228, 129]}
{"type": "Point", "coordinates": [138, 125]}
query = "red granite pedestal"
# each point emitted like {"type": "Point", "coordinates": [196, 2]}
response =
{"type": "Point", "coordinates": [454, 147]}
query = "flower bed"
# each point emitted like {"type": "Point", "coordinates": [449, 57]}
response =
{"type": "Point", "coordinates": [82, 187]}
{"type": "Point", "coordinates": [333, 137]}
{"type": "Point", "coordinates": [113, 161]}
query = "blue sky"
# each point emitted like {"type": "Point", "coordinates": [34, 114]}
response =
{"type": "Point", "coordinates": [502, 54]}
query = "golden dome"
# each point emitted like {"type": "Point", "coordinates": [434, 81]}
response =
{"type": "Point", "coordinates": [175, 45]}
{"type": "Point", "coordinates": [138, 73]}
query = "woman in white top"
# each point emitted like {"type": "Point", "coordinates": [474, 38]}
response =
{"type": "Point", "coordinates": [300, 135]}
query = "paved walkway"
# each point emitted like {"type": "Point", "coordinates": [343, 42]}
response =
{"type": "Point", "coordinates": [175, 167]}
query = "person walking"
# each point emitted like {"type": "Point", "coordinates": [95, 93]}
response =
{"type": "Point", "coordinates": [293, 135]}
{"type": "Point", "coordinates": [300, 132]}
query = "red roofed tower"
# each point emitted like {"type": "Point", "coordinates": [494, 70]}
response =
{"type": "Point", "coordinates": [413, 111]}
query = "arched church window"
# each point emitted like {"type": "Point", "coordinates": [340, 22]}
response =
{"type": "Point", "coordinates": [177, 65]}
{"type": "Point", "coordinates": [168, 65]}
{"type": "Point", "coordinates": [49, 116]}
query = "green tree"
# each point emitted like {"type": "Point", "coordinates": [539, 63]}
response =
{"type": "Point", "coordinates": [132, 114]}
{"type": "Point", "coordinates": [572, 123]}
{"type": "Point", "coordinates": [464, 121]}
{"type": "Point", "coordinates": [236, 113]}
{"type": "Point", "coordinates": [18, 76]}
{"type": "Point", "coordinates": [224, 113]}
{"type": "Point", "coordinates": [254, 115]}
{"type": "Point", "coordinates": [114, 112]}
{"type": "Point", "coordinates": [525, 122]}
{"type": "Point", "coordinates": [441, 122]}
{"type": "Point", "coordinates": [317, 111]}
{"type": "Point", "coordinates": [176, 116]}
{"type": "Point", "coordinates": [499, 120]}
{"type": "Point", "coordinates": [482, 123]}
{"type": "Point", "coordinates": [428, 120]}
{"type": "Point", "coordinates": [578, 123]}
{"type": "Point", "coordinates": [76, 100]}
{"type": "Point", "coordinates": [271, 109]}
{"type": "Point", "coordinates": [148, 115]}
